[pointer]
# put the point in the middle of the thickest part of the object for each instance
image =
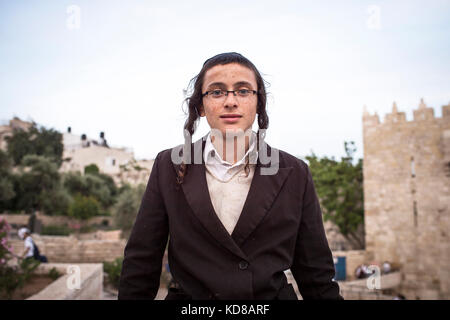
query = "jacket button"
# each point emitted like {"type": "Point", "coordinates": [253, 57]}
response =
{"type": "Point", "coordinates": [243, 265]}
{"type": "Point", "coordinates": [214, 296]}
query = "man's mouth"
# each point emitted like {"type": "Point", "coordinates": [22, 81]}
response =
{"type": "Point", "coordinates": [231, 116]}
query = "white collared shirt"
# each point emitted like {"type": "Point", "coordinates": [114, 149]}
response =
{"type": "Point", "coordinates": [222, 169]}
{"type": "Point", "coordinates": [29, 244]}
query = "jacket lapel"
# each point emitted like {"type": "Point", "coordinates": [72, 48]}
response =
{"type": "Point", "coordinates": [262, 193]}
{"type": "Point", "coordinates": [196, 191]}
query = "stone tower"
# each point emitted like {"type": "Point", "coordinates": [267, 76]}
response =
{"type": "Point", "coordinates": [407, 197]}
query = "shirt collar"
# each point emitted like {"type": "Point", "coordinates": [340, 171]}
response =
{"type": "Point", "coordinates": [212, 157]}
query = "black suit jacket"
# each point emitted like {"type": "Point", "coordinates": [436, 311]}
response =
{"type": "Point", "coordinates": [280, 228]}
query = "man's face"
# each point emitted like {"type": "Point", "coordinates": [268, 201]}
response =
{"type": "Point", "coordinates": [230, 112]}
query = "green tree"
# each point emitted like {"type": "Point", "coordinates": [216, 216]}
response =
{"type": "Point", "coordinates": [91, 169]}
{"type": "Point", "coordinates": [37, 141]}
{"type": "Point", "coordinates": [84, 207]}
{"type": "Point", "coordinates": [38, 186]}
{"type": "Point", "coordinates": [127, 206]}
{"type": "Point", "coordinates": [56, 201]}
{"type": "Point", "coordinates": [6, 181]}
{"type": "Point", "coordinates": [12, 277]}
{"type": "Point", "coordinates": [99, 186]}
{"type": "Point", "coordinates": [110, 184]}
{"type": "Point", "coordinates": [339, 185]}
{"type": "Point", "coordinates": [75, 183]}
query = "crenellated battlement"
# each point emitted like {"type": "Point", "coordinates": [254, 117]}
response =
{"type": "Point", "coordinates": [406, 172]}
{"type": "Point", "coordinates": [422, 113]}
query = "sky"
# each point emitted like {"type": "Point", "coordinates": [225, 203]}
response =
{"type": "Point", "coordinates": [121, 66]}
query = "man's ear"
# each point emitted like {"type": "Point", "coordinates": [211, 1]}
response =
{"type": "Point", "coordinates": [201, 111]}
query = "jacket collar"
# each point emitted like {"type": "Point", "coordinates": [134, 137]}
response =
{"type": "Point", "coordinates": [263, 191]}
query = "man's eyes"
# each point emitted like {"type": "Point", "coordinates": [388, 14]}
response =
{"type": "Point", "coordinates": [223, 90]}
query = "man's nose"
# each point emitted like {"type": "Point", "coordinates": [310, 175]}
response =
{"type": "Point", "coordinates": [230, 100]}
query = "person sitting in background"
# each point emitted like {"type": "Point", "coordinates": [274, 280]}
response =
{"type": "Point", "coordinates": [386, 267]}
{"type": "Point", "coordinates": [31, 249]}
{"type": "Point", "coordinates": [359, 273]}
{"type": "Point", "coordinates": [363, 271]}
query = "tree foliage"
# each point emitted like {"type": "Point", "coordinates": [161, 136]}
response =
{"type": "Point", "coordinates": [127, 206]}
{"type": "Point", "coordinates": [99, 186]}
{"type": "Point", "coordinates": [91, 169]}
{"type": "Point", "coordinates": [339, 185]}
{"type": "Point", "coordinates": [6, 180]}
{"type": "Point", "coordinates": [30, 178]}
{"type": "Point", "coordinates": [12, 277]}
{"type": "Point", "coordinates": [38, 186]}
{"type": "Point", "coordinates": [38, 141]}
{"type": "Point", "coordinates": [84, 207]}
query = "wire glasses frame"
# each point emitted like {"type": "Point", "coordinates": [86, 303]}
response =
{"type": "Point", "coordinates": [218, 93]}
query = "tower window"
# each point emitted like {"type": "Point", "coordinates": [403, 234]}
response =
{"type": "Point", "coordinates": [415, 213]}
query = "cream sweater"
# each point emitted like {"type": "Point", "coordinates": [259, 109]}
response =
{"type": "Point", "coordinates": [228, 197]}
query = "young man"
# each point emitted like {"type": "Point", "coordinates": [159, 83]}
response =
{"type": "Point", "coordinates": [238, 212]}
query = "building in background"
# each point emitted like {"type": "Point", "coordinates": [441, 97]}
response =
{"type": "Point", "coordinates": [407, 197]}
{"type": "Point", "coordinates": [119, 163]}
{"type": "Point", "coordinates": [81, 151]}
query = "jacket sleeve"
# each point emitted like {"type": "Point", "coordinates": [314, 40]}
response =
{"type": "Point", "coordinates": [142, 264]}
{"type": "Point", "coordinates": [313, 266]}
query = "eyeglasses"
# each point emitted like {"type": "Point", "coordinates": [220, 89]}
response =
{"type": "Point", "coordinates": [242, 93]}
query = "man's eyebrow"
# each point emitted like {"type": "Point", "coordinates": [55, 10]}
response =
{"type": "Point", "coordinates": [236, 85]}
{"type": "Point", "coordinates": [243, 84]}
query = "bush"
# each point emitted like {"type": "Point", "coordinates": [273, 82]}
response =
{"type": "Point", "coordinates": [9, 282]}
{"type": "Point", "coordinates": [84, 207]}
{"type": "Point", "coordinates": [26, 269]}
{"type": "Point", "coordinates": [54, 230]}
{"type": "Point", "coordinates": [91, 169]}
{"type": "Point", "coordinates": [54, 274]}
{"type": "Point", "coordinates": [5, 248]}
{"type": "Point", "coordinates": [15, 277]}
{"type": "Point", "coordinates": [87, 229]}
{"type": "Point", "coordinates": [113, 270]}
{"type": "Point", "coordinates": [12, 277]}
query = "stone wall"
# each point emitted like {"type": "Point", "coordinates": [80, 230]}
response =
{"type": "Point", "coordinates": [407, 197]}
{"type": "Point", "coordinates": [22, 220]}
{"type": "Point", "coordinates": [90, 284]}
{"type": "Point", "coordinates": [70, 249]}
{"type": "Point", "coordinates": [369, 289]}
{"type": "Point", "coordinates": [100, 235]}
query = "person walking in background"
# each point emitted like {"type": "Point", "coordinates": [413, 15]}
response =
{"type": "Point", "coordinates": [31, 250]}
